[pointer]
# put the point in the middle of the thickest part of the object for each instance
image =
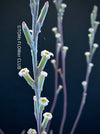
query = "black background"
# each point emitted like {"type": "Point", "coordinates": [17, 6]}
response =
{"type": "Point", "coordinates": [16, 105]}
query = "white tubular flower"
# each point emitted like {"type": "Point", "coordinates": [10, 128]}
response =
{"type": "Point", "coordinates": [54, 29]}
{"type": "Point", "coordinates": [45, 57]}
{"type": "Point", "coordinates": [91, 64]}
{"type": "Point", "coordinates": [84, 84]}
{"type": "Point", "coordinates": [44, 74]}
{"type": "Point", "coordinates": [91, 30]}
{"type": "Point", "coordinates": [58, 35]}
{"type": "Point", "coordinates": [89, 35]}
{"type": "Point", "coordinates": [44, 132]}
{"type": "Point", "coordinates": [23, 72]}
{"type": "Point", "coordinates": [59, 46]}
{"type": "Point", "coordinates": [87, 54]}
{"type": "Point", "coordinates": [31, 131]}
{"type": "Point", "coordinates": [96, 22]}
{"type": "Point", "coordinates": [44, 101]}
{"type": "Point", "coordinates": [63, 5]}
{"type": "Point", "coordinates": [47, 54]}
{"type": "Point", "coordinates": [47, 115]}
{"type": "Point", "coordinates": [65, 49]}
{"type": "Point", "coordinates": [59, 88]}
{"type": "Point", "coordinates": [90, 67]}
{"type": "Point", "coordinates": [53, 61]}
{"type": "Point", "coordinates": [95, 45]}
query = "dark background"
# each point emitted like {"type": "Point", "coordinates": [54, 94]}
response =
{"type": "Point", "coordinates": [16, 105]}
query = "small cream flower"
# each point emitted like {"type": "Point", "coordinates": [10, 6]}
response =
{"type": "Point", "coordinates": [53, 61]}
{"type": "Point", "coordinates": [65, 49]}
{"type": "Point", "coordinates": [95, 45]}
{"type": "Point", "coordinates": [54, 29]}
{"type": "Point", "coordinates": [23, 72]}
{"type": "Point", "coordinates": [89, 35]}
{"type": "Point", "coordinates": [63, 5]}
{"type": "Point", "coordinates": [91, 30]}
{"type": "Point", "coordinates": [44, 101]}
{"type": "Point", "coordinates": [47, 115]}
{"type": "Point", "coordinates": [60, 87]}
{"type": "Point", "coordinates": [96, 22]}
{"type": "Point", "coordinates": [87, 54]}
{"type": "Point", "coordinates": [31, 131]}
{"type": "Point", "coordinates": [58, 35]}
{"type": "Point", "coordinates": [47, 54]}
{"type": "Point", "coordinates": [84, 83]}
{"type": "Point", "coordinates": [44, 74]}
{"type": "Point", "coordinates": [91, 65]}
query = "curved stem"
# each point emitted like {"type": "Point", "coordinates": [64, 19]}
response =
{"type": "Point", "coordinates": [56, 84]}
{"type": "Point", "coordinates": [63, 78]}
{"type": "Point", "coordinates": [83, 97]}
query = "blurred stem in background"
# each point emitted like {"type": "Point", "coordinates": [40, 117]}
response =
{"type": "Point", "coordinates": [58, 31]}
{"type": "Point", "coordinates": [89, 56]}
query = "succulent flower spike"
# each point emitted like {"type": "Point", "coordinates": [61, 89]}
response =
{"type": "Point", "coordinates": [25, 73]}
{"type": "Point", "coordinates": [41, 79]}
{"type": "Point", "coordinates": [45, 57]}
{"type": "Point", "coordinates": [31, 131]}
{"type": "Point", "coordinates": [27, 34]}
{"type": "Point", "coordinates": [42, 16]}
{"type": "Point", "coordinates": [47, 117]}
{"type": "Point", "coordinates": [43, 103]}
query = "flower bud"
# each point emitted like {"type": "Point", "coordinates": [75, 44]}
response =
{"type": "Point", "coordinates": [27, 34]}
{"type": "Point", "coordinates": [42, 16]}
{"type": "Point", "coordinates": [41, 79]}
{"type": "Point", "coordinates": [84, 84]}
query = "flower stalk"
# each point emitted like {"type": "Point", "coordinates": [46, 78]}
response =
{"type": "Point", "coordinates": [38, 73]}
{"type": "Point", "coordinates": [89, 56]}
{"type": "Point", "coordinates": [58, 31]}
